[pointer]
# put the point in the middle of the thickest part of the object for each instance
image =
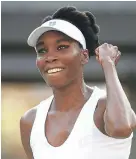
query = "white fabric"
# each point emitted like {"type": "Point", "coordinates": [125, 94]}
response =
{"type": "Point", "coordinates": [58, 25]}
{"type": "Point", "coordinates": [85, 140]}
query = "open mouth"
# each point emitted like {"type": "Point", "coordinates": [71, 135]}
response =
{"type": "Point", "coordinates": [54, 70]}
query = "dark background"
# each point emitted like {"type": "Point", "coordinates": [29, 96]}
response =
{"type": "Point", "coordinates": [22, 84]}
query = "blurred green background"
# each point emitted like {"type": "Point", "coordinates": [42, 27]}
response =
{"type": "Point", "coordinates": [22, 86]}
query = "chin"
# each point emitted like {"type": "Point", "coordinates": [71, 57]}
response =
{"type": "Point", "coordinates": [55, 83]}
{"type": "Point", "coordinates": [58, 84]}
{"type": "Point", "coordinates": [58, 81]}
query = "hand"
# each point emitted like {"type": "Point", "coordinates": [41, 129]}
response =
{"type": "Point", "coordinates": [107, 52]}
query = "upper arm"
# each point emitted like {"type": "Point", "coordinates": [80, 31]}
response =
{"type": "Point", "coordinates": [26, 123]}
{"type": "Point", "coordinates": [101, 119]}
{"type": "Point", "coordinates": [108, 127]}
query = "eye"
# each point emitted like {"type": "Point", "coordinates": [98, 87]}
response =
{"type": "Point", "coordinates": [42, 51]}
{"type": "Point", "coordinates": [62, 47]}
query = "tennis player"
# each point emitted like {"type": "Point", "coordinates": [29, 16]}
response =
{"type": "Point", "coordinates": [77, 121]}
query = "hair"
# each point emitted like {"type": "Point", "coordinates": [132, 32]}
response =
{"type": "Point", "coordinates": [84, 21]}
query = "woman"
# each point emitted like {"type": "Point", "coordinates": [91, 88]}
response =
{"type": "Point", "coordinates": [77, 121]}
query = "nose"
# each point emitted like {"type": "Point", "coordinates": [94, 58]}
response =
{"type": "Point", "coordinates": [50, 59]}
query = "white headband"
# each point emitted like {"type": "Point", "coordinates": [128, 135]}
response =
{"type": "Point", "coordinates": [58, 25]}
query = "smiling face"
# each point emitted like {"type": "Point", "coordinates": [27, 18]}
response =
{"type": "Point", "coordinates": [60, 59]}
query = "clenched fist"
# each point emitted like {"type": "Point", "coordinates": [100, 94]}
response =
{"type": "Point", "coordinates": [107, 52]}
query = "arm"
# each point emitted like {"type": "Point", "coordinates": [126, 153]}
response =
{"type": "Point", "coordinates": [26, 123]}
{"type": "Point", "coordinates": [119, 118]}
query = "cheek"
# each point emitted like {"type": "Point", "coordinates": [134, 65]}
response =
{"type": "Point", "coordinates": [75, 53]}
{"type": "Point", "coordinates": [40, 63]}
{"type": "Point", "coordinates": [73, 59]}
{"type": "Point", "coordinates": [73, 63]}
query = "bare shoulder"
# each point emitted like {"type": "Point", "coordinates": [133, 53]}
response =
{"type": "Point", "coordinates": [26, 123]}
{"type": "Point", "coordinates": [29, 116]}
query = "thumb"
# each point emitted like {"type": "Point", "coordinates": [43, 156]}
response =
{"type": "Point", "coordinates": [97, 51]}
{"type": "Point", "coordinates": [97, 58]}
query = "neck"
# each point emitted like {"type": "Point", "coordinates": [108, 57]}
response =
{"type": "Point", "coordinates": [72, 96]}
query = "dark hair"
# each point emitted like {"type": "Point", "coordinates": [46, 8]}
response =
{"type": "Point", "coordinates": [84, 21]}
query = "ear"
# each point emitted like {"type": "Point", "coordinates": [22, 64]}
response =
{"type": "Point", "coordinates": [84, 56]}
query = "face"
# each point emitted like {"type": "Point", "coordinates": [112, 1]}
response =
{"type": "Point", "coordinates": [60, 60]}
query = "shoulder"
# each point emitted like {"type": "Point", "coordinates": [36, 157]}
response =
{"type": "Point", "coordinates": [26, 123]}
{"type": "Point", "coordinates": [27, 120]}
{"type": "Point", "coordinates": [29, 116]}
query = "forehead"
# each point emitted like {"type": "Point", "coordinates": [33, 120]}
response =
{"type": "Point", "coordinates": [53, 34]}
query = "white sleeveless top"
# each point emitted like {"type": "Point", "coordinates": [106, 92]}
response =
{"type": "Point", "coordinates": [84, 142]}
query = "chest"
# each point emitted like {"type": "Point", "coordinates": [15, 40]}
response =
{"type": "Point", "coordinates": [59, 125]}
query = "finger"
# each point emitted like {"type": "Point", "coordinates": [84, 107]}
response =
{"type": "Point", "coordinates": [116, 60]}
{"type": "Point", "coordinates": [97, 58]}
{"type": "Point", "coordinates": [115, 52]}
{"type": "Point", "coordinates": [115, 47]}
{"type": "Point", "coordinates": [105, 45]}
{"type": "Point", "coordinates": [97, 51]}
{"type": "Point", "coordinates": [119, 53]}
{"type": "Point", "coordinates": [110, 45]}
{"type": "Point", "coordinates": [118, 57]}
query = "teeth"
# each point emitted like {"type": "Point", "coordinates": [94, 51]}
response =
{"type": "Point", "coordinates": [54, 70]}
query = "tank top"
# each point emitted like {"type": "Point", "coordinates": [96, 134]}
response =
{"type": "Point", "coordinates": [85, 141]}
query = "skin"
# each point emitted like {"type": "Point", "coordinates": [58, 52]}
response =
{"type": "Point", "coordinates": [113, 115]}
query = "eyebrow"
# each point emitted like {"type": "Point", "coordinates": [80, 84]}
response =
{"type": "Point", "coordinates": [41, 43]}
{"type": "Point", "coordinates": [67, 39]}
